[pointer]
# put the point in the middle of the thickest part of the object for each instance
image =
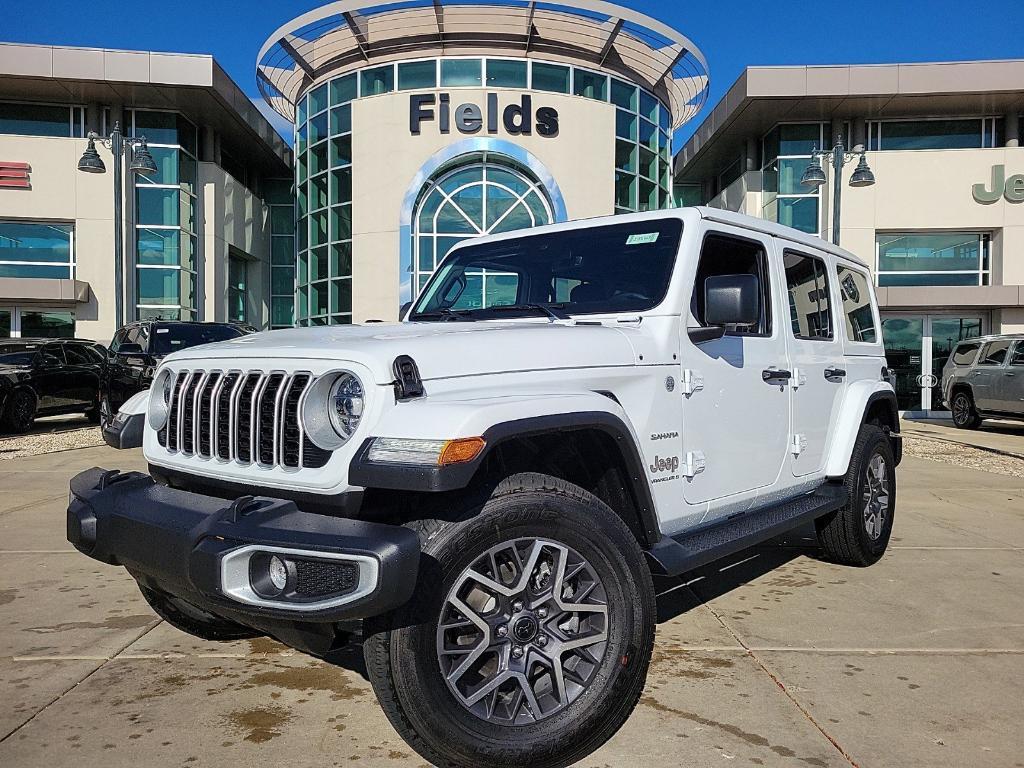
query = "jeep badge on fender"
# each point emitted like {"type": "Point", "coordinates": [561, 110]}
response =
{"type": "Point", "coordinates": [481, 493]}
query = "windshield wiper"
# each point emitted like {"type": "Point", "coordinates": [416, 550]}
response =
{"type": "Point", "coordinates": [547, 309]}
{"type": "Point", "coordinates": [444, 313]}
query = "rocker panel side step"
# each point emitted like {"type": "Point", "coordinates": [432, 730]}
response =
{"type": "Point", "coordinates": [672, 556]}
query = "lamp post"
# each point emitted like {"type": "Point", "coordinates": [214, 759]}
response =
{"type": "Point", "coordinates": [141, 163]}
{"type": "Point", "coordinates": [814, 176]}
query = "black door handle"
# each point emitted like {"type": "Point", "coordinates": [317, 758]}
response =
{"type": "Point", "coordinates": [835, 374]}
{"type": "Point", "coordinates": [775, 376]}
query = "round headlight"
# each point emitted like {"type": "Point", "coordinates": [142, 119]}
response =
{"type": "Point", "coordinates": [159, 399]}
{"type": "Point", "coordinates": [346, 405]}
{"type": "Point", "coordinates": [332, 409]}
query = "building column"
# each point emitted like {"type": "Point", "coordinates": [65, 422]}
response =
{"type": "Point", "coordinates": [1012, 127]}
{"type": "Point", "coordinates": [836, 128]}
{"type": "Point", "coordinates": [93, 118]}
{"type": "Point", "coordinates": [859, 138]}
{"type": "Point", "coordinates": [751, 154]}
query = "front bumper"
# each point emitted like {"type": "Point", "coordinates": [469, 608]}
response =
{"type": "Point", "coordinates": [210, 551]}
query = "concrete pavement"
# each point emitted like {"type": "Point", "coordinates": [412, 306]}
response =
{"type": "Point", "coordinates": [772, 658]}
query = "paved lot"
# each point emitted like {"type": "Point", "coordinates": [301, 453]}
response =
{"type": "Point", "coordinates": [772, 658]}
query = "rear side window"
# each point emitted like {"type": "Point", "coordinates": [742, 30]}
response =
{"type": "Point", "coordinates": [965, 354]}
{"type": "Point", "coordinates": [995, 353]}
{"type": "Point", "coordinates": [726, 255]}
{"type": "Point", "coordinates": [1018, 354]}
{"type": "Point", "coordinates": [856, 292]}
{"type": "Point", "coordinates": [809, 300]}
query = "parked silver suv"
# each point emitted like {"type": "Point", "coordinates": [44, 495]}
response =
{"type": "Point", "coordinates": [984, 379]}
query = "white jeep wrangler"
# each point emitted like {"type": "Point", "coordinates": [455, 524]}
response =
{"type": "Point", "coordinates": [483, 491]}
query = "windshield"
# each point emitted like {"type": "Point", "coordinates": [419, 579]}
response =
{"type": "Point", "coordinates": [19, 354]}
{"type": "Point", "coordinates": [171, 338]}
{"type": "Point", "coordinates": [608, 269]}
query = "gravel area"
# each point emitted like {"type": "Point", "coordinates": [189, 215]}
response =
{"type": "Point", "coordinates": [49, 442]}
{"type": "Point", "coordinates": [959, 455]}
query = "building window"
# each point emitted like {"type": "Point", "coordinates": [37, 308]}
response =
{"type": "Point", "coordinates": [36, 323]}
{"type": "Point", "coordinates": [37, 249]}
{"type": "Point", "coordinates": [42, 120]}
{"type": "Point", "coordinates": [684, 195]}
{"type": "Point", "coordinates": [940, 258]}
{"type": "Point", "coordinates": [972, 133]}
{"type": "Point", "coordinates": [786, 150]}
{"type": "Point", "coordinates": [480, 195]}
{"type": "Point", "coordinates": [507, 73]}
{"type": "Point", "coordinates": [417, 74]}
{"type": "Point", "coordinates": [278, 195]}
{"type": "Point", "coordinates": [461, 72]}
{"type": "Point", "coordinates": [550, 77]}
{"type": "Point", "coordinates": [166, 240]}
{"type": "Point", "coordinates": [238, 268]}
{"type": "Point", "coordinates": [643, 150]}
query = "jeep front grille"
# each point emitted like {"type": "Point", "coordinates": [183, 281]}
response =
{"type": "Point", "coordinates": [242, 416]}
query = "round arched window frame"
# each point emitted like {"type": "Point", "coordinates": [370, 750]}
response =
{"type": "Point", "coordinates": [480, 194]}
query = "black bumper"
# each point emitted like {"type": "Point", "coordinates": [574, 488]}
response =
{"type": "Point", "coordinates": [175, 541]}
{"type": "Point", "coordinates": [126, 433]}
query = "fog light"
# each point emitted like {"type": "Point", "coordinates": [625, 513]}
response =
{"type": "Point", "coordinates": [278, 573]}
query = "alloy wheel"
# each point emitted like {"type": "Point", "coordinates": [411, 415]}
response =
{"type": "Point", "coordinates": [876, 496]}
{"type": "Point", "coordinates": [961, 409]}
{"type": "Point", "coordinates": [523, 631]}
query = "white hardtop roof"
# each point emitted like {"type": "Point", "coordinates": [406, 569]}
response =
{"type": "Point", "coordinates": [710, 214]}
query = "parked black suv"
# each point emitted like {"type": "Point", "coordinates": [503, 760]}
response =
{"type": "Point", "coordinates": [138, 347]}
{"type": "Point", "coordinates": [47, 377]}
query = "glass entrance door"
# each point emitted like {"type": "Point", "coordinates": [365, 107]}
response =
{"type": "Point", "coordinates": [916, 349]}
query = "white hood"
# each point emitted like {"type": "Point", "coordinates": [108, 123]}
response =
{"type": "Point", "coordinates": [441, 350]}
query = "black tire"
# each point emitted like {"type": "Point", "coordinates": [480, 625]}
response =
{"type": "Point", "coordinates": [20, 412]}
{"type": "Point", "coordinates": [844, 535]}
{"type": "Point", "coordinates": [402, 654]}
{"type": "Point", "coordinates": [193, 620]}
{"type": "Point", "coordinates": [965, 415]}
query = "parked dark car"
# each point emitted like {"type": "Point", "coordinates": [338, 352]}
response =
{"type": "Point", "coordinates": [138, 347]}
{"type": "Point", "coordinates": [47, 377]}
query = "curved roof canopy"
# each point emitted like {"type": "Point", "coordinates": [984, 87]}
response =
{"type": "Point", "coordinates": [345, 36]}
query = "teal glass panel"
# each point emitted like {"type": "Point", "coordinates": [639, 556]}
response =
{"type": "Point", "coordinates": [343, 89]}
{"type": "Point", "coordinates": [318, 298]}
{"type": "Point", "coordinates": [277, 192]}
{"type": "Point", "coordinates": [319, 263]}
{"type": "Point", "coordinates": [341, 222]}
{"type": "Point", "coordinates": [505, 73]}
{"type": "Point", "coordinates": [158, 246]}
{"type": "Point", "coordinates": [341, 119]}
{"type": "Point", "coordinates": [425, 257]}
{"type": "Point", "coordinates": [799, 212]}
{"type": "Point", "coordinates": [300, 111]}
{"type": "Point", "coordinates": [341, 151]}
{"type": "Point", "coordinates": [518, 218]}
{"type": "Point", "coordinates": [648, 195]}
{"type": "Point", "coordinates": [187, 170]}
{"type": "Point", "coordinates": [166, 159]}
{"type": "Point", "coordinates": [625, 190]}
{"type": "Point", "coordinates": [786, 175]}
{"type": "Point", "coordinates": [318, 128]}
{"type": "Point", "coordinates": [939, 252]}
{"type": "Point", "coordinates": [497, 175]}
{"type": "Point", "coordinates": [281, 220]}
{"type": "Point", "coordinates": [537, 208]}
{"type": "Point", "coordinates": [282, 311]}
{"type": "Point", "coordinates": [318, 99]}
{"type": "Point", "coordinates": [624, 95]}
{"type": "Point", "coordinates": [35, 120]}
{"type": "Point", "coordinates": [472, 175]}
{"type": "Point", "coordinates": [157, 127]}
{"type": "Point", "coordinates": [317, 159]}
{"type": "Point", "coordinates": [932, 134]}
{"type": "Point", "coordinates": [318, 228]}
{"type": "Point", "coordinates": [625, 125]}
{"type": "Point", "coordinates": [664, 119]}
{"type": "Point", "coordinates": [590, 85]}
{"type": "Point", "coordinates": [450, 219]}
{"type": "Point", "coordinates": [155, 205]}
{"type": "Point", "coordinates": [341, 295]}
{"type": "Point", "coordinates": [160, 286]}
{"type": "Point", "coordinates": [799, 139]}
{"type": "Point", "coordinates": [318, 192]}
{"type": "Point", "coordinates": [499, 200]}
{"type": "Point", "coordinates": [417, 74]}
{"type": "Point", "coordinates": [282, 280]}
{"type": "Point", "coordinates": [27, 241]}
{"type": "Point", "coordinates": [648, 135]}
{"type": "Point", "coordinates": [461, 72]}
{"type": "Point", "coordinates": [302, 272]}
{"type": "Point", "coordinates": [341, 259]}
{"type": "Point", "coordinates": [341, 186]}
{"type": "Point", "coordinates": [377, 81]}
{"type": "Point", "coordinates": [648, 164]}
{"type": "Point", "coordinates": [625, 155]}
{"type": "Point", "coordinates": [427, 210]}
{"type": "Point", "coordinates": [648, 106]}
{"type": "Point", "coordinates": [550, 77]}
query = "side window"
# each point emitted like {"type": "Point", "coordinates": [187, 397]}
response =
{"type": "Point", "coordinates": [810, 303]}
{"type": "Point", "coordinates": [965, 354]}
{"type": "Point", "coordinates": [726, 255]}
{"type": "Point", "coordinates": [995, 353]}
{"type": "Point", "coordinates": [137, 335]}
{"type": "Point", "coordinates": [52, 355]}
{"type": "Point", "coordinates": [76, 355]}
{"type": "Point", "coordinates": [856, 291]}
{"type": "Point", "coordinates": [1018, 354]}
{"type": "Point", "coordinates": [118, 339]}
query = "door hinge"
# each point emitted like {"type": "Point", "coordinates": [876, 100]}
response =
{"type": "Point", "coordinates": [799, 378]}
{"type": "Point", "coordinates": [693, 463]}
{"type": "Point", "coordinates": [692, 381]}
{"type": "Point", "coordinates": [799, 444]}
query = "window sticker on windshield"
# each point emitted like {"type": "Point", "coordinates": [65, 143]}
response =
{"type": "Point", "coordinates": [644, 239]}
{"type": "Point", "coordinates": [163, 330]}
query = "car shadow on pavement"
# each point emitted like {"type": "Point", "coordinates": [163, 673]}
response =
{"type": "Point", "coordinates": [679, 594]}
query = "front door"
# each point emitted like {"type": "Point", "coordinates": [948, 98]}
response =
{"type": "Point", "coordinates": [736, 416]}
{"type": "Point", "coordinates": [916, 349]}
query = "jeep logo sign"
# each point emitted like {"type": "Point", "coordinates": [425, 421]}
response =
{"type": "Point", "coordinates": [1011, 188]}
{"type": "Point", "coordinates": [518, 119]}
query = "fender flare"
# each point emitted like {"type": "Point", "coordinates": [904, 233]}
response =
{"type": "Point", "coordinates": [860, 397]}
{"type": "Point", "coordinates": [398, 477]}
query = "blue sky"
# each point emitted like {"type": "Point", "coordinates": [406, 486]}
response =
{"type": "Point", "coordinates": [731, 34]}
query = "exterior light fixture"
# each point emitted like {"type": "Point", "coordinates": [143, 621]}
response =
{"type": "Point", "coordinates": [862, 174]}
{"type": "Point", "coordinates": [91, 162]}
{"type": "Point", "coordinates": [838, 156]}
{"type": "Point", "coordinates": [814, 176]}
{"type": "Point", "coordinates": [142, 161]}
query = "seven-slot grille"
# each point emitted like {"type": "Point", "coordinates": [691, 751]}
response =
{"type": "Point", "coordinates": [244, 416]}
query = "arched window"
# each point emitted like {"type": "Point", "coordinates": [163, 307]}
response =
{"type": "Point", "coordinates": [476, 195]}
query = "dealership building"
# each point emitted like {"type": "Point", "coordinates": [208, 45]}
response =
{"type": "Point", "coordinates": [942, 226]}
{"type": "Point", "coordinates": [207, 236]}
{"type": "Point", "coordinates": [419, 124]}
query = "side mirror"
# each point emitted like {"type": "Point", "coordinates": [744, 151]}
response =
{"type": "Point", "coordinates": [732, 300]}
{"type": "Point", "coordinates": [129, 349]}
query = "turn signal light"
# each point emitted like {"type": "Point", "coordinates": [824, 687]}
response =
{"type": "Point", "coordinates": [460, 451]}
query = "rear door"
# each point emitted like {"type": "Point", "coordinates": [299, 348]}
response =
{"type": "Point", "coordinates": [736, 414]}
{"type": "Point", "coordinates": [816, 355]}
{"type": "Point", "coordinates": [48, 376]}
{"type": "Point", "coordinates": [987, 374]}
{"type": "Point", "coordinates": [1011, 387]}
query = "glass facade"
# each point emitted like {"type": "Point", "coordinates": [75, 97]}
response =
{"type": "Point", "coordinates": [42, 120]}
{"type": "Point", "coordinates": [786, 150]}
{"type": "Point", "coordinates": [940, 258]}
{"type": "Point", "coordinates": [970, 133]}
{"type": "Point", "coordinates": [478, 196]}
{"type": "Point", "coordinates": [277, 193]}
{"type": "Point", "coordinates": [323, 170]}
{"type": "Point", "coordinates": [238, 273]}
{"type": "Point", "coordinates": [166, 243]}
{"type": "Point", "coordinates": [37, 249]}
